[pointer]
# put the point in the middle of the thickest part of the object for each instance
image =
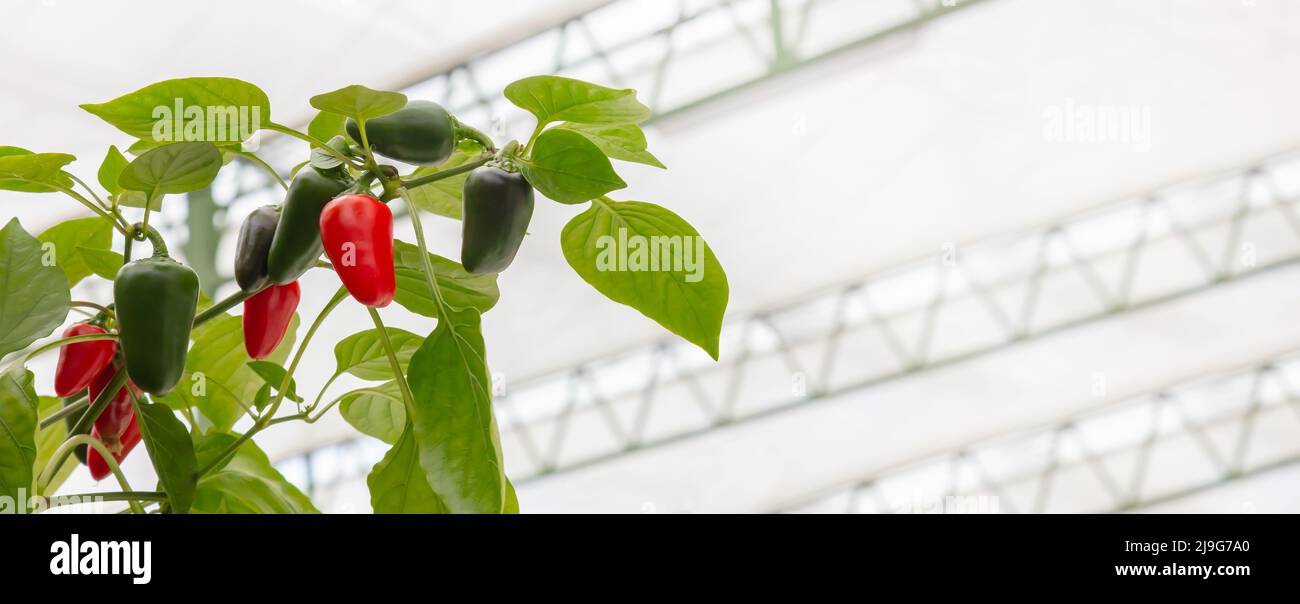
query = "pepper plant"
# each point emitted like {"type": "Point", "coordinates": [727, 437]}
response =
{"type": "Point", "coordinates": [161, 364]}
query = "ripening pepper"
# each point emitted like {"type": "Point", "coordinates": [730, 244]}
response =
{"type": "Point", "coordinates": [421, 134]}
{"type": "Point", "coordinates": [357, 231]}
{"type": "Point", "coordinates": [497, 208]}
{"type": "Point", "coordinates": [98, 467]}
{"type": "Point", "coordinates": [113, 421]}
{"type": "Point", "coordinates": [80, 362]}
{"type": "Point", "coordinates": [254, 244]}
{"type": "Point", "coordinates": [267, 316]}
{"type": "Point", "coordinates": [156, 298]}
{"type": "Point", "coordinates": [297, 243]}
{"type": "Point", "coordinates": [71, 422]}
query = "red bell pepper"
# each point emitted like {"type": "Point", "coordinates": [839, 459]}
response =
{"type": "Point", "coordinates": [129, 439]}
{"type": "Point", "coordinates": [118, 416]}
{"type": "Point", "coordinates": [267, 316]}
{"type": "Point", "coordinates": [357, 231]}
{"type": "Point", "coordinates": [80, 362]}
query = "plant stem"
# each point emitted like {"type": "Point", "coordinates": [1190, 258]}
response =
{"type": "Point", "coordinates": [313, 141]}
{"type": "Point", "coordinates": [222, 306]}
{"type": "Point", "coordinates": [250, 156]}
{"type": "Point", "coordinates": [267, 416]}
{"type": "Point", "coordinates": [448, 173]}
{"type": "Point", "coordinates": [62, 500]}
{"type": "Point", "coordinates": [118, 223]}
{"type": "Point", "coordinates": [472, 133]}
{"type": "Point", "coordinates": [424, 251]}
{"type": "Point", "coordinates": [64, 450]}
{"type": "Point", "coordinates": [51, 419]}
{"type": "Point", "coordinates": [65, 341]}
{"type": "Point", "coordinates": [393, 362]}
{"type": "Point", "coordinates": [103, 309]}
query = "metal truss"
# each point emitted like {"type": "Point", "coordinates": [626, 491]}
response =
{"type": "Point", "coordinates": [1133, 453]}
{"type": "Point", "coordinates": [965, 300]}
{"type": "Point", "coordinates": [662, 48]}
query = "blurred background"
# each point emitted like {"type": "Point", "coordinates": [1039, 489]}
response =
{"type": "Point", "coordinates": [984, 255]}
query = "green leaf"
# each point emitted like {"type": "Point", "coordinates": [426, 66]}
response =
{"type": "Point", "coordinates": [206, 103]}
{"type": "Point", "coordinates": [69, 236]}
{"type": "Point", "coordinates": [327, 125]}
{"type": "Point", "coordinates": [111, 169]}
{"type": "Point", "coordinates": [452, 418]}
{"type": "Point", "coordinates": [398, 485]}
{"type": "Point", "coordinates": [217, 380]}
{"type": "Point", "coordinates": [175, 168]}
{"type": "Point", "coordinates": [624, 142]}
{"type": "Point", "coordinates": [34, 297]}
{"type": "Point", "coordinates": [442, 197]}
{"type": "Point", "coordinates": [554, 99]}
{"type": "Point", "coordinates": [362, 354]}
{"type": "Point", "coordinates": [18, 404]}
{"type": "Point", "coordinates": [459, 288]}
{"type": "Point", "coordinates": [249, 484]}
{"type": "Point", "coordinates": [378, 412]}
{"type": "Point", "coordinates": [48, 440]}
{"type": "Point", "coordinates": [210, 445]}
{"type": "Point", "coordinates": [359, 103]}
{"type": "Point", "coordinates": [104, 263]}
{"type": "Point", "coordinates": [689, 303]}
{"type": "Point", "coordinates": [512, 499]}
{"type": "Point", "coordinates": [568, 168]}
{"type": "Point", "coordinates": [274, 375]}
{"type": "Point", "coordinates": [28, 172]}
{"type": "Point", "coordinates": [170, 450]}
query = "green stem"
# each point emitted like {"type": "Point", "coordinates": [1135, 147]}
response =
{"type": "Point", "coordinates": [88, 190]}
{"type": "Point", "coordinates": [528, 149]}
{"type": "Point", "coordinates": [79, 498]}
{"type": "Point", "coordinates": [155, 238]}
{"type": "Point", "coordinates": [90, 337]}
{"type": "Point", "coordinates": [222, 306]}
{"type": "Point", "coordinates": [100, 308]}
{"type": "Point", "coordinates": [393, 362]}
{"type": "Point", "coordinates": [424, 252]}
{"type": "Point", "coordinates": [320, 395]}
{"type": "Point", "coordinates": [449, 172]}
{"type": "Point", "coordinates": [266, 418]}
{"type": "Point", "coordinates": [249, 155]}
{"type": "Point", "coordinates": [118, 223]}
{"type": "Point", "coordinates": [51, 419]}
{"type": "Point", "coordinates": [64, 450]}
{"type": "Point", "coordinates": [313, 141]}
{"type": "Point", "coordinates": [474, 134]}
{"type": "Point", "coordinates": [97, 406]}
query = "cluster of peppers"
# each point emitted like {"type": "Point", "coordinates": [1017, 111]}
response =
{"type": "Point", "coordinates": [155, 299]}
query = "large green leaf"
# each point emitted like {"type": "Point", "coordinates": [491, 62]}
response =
{"type": "Point", "coordinates": [217, 379]}
{"type": "Point", "coordinates": [175, 168]}
{"type": "Point", "coordinates": [34, 298]}
{"type": "Point", "coordinates": [568, 168]}
{"type": "Point", "coordinates": [249, 484]}
{"type": "Point", "coordinates": [210, 445]}
{"type": "Point", "coordinates": [111, 169]}
{"type": "Point", "coordinates": [171, 452]}
{"type": "Point", "coordinates": [459, 287]}
{"type": "Point", "coordinates": [398, 484]}
{"type": "Point", "coordinates": [149, 113]}
{"type": "Point", "coordinates": [452, 418]}
{"type": "Point", "coordinates": [624, 142]}
{"type": "Point", "coordinates": [378, 412]}
{"type": "Point", "coordinates": [27, 172]}
{"type": "Point", "coordinates": [362, 354]}
{"type": "Point", "coordinates": [443, 197]}
{"type": "Point", "coordinates": [359, 103]}
{"type": "Point", "coordinates": [69, 236]}
{"type": "Point", "coordinates": [555, 99]}
{"type": "Point", "coordinates": [104, 263]}
{"type": "Point", "coordinates": [18, 404]}
{"type": "Point", "coordinates": [48, 441]}
{"type": "Point", "coordinates": [689, 303]}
